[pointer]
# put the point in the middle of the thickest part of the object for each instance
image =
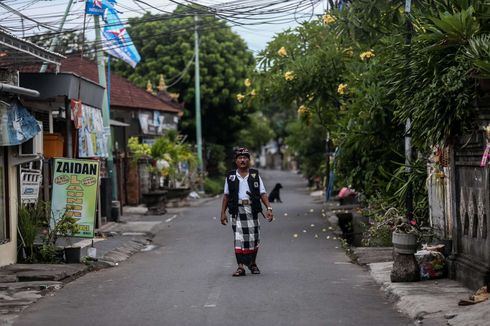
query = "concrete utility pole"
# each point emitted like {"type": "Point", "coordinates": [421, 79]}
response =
{"type": "Point", "coordinates": [56, 40]}
{"type": "Point", "coordinates": [105, 109]}
{"type": "Point", "coordinates": [198, 102]}
{"type": "Point", "coordinates": [408, 124]}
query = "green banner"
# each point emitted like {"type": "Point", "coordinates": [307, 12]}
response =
{"type": "Point", "coordinates": [75, 184]}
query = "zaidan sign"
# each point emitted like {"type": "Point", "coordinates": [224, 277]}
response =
{"type": "Point", "coordinates": [75, 184]}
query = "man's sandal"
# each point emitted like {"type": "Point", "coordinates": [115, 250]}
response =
{"type": "Point", "coordinates": [254, 269]}
{"type": "Point", "coordinates": [239, 272]}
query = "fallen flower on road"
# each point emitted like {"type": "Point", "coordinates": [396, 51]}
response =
{"type": "Point", "coordinates": [304, 231]}
{"type": "Point", "coordinates": [335, 238]}
{"type": "Point", "coordinates": [295, 235]}
{"type": "Point", "coordinates": [285, 214]}
{"type": "Point", "coordinates": [312, 225]}
{"type": "Point", "coordinates": [330, 228]}
{"type": "Point", "coordinates": [311, 210]}
{"type": "Point", "coordinates": [324, 230]}
{"type": "Point", "coordinates": [316, 236]}
{"type": "Point", "coordinates": [328, 237]}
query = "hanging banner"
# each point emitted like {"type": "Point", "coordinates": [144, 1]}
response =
{"type": "Point", "coordinates": [76, 113]}
{"type": "Point", "coordinates": [97, 7]}
{"type": "Point", "coordinates": [17, 125]}
{"type": "Point", "coordinates": [92, 136]}
{"type": "Point", "coordinates": [117, 41]}
{"type": "Point", "coordinates": [75, 184]}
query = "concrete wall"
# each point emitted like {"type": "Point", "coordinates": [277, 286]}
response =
{"type": "Point", "coordinates": [8, 251]}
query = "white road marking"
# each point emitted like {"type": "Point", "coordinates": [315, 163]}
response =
{"type": "Point", "coordinates": [170, 219]}
{"type": "Point", "coordinates": [213, 297]}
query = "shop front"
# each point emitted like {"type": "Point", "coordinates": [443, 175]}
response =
{"type": "Point", "coordinates": [17, 128]}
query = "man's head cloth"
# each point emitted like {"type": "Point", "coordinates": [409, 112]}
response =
{"type": "Point", "coordinates": [242, 151]}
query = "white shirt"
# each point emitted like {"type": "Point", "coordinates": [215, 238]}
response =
{"type": "Point", "coordinates": [243, 187]}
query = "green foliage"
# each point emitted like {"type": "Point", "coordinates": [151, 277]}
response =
{"type": "Point", "coordinates": [30, 219]}
{"type": "Point", "coordinates": [138, 150]}
{"type": "Point", "coordinates": [478, 52]}
{"type": "Point", "coordinates": [213, 186]}
{"type": "Point", "coordinates": [174, 151]}
{"type": "Point", "coordinates": [257, 133]}
{"type": "Point", "coordinates": [215, 158]}
{"type": "Point", "coordinates": [308, 142]}
{"type": "Point", "coordinates": [225, 62]}
{"type": "Point", "coordinates": [68, 43]}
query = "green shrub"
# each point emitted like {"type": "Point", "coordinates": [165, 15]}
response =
{"type": "Point", "coordinates": [213, 186]}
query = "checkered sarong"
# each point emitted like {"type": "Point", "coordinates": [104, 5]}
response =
{"type": "Point", "coordinates": [246, 229]}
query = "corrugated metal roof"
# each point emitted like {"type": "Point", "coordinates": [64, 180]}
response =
{"type": "Point", "coordinates": [15, 51]}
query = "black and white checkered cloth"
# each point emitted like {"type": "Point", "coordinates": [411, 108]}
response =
{"type": "Point", "coordinates": [246, 229]}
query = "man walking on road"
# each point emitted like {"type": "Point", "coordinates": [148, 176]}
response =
{"type": "Point", "coordinates": [243, 192]}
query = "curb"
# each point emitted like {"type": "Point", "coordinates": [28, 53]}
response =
{"type": "Point", "coordinates": [434, 300]}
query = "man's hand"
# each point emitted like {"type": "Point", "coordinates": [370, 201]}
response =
{"type": "Point", "coordinates": [224, 218]}
{"type": "Point", "coordinates": [269, 216]}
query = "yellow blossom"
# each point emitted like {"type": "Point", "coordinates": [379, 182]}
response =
{"type": "Point", "coordinates": [302, 109]}
{"type": "Point", "coordinates": [329, 19]}
{"type": "Point", "coordinates": [240, 97]}
{"type": "Point", "coordinates": [282, 52]}
{"type": "Point", "coordinates": [253, 92]}
{"type": "Point", "coordinates": [367, 55]}
{"type": "Point", "coordinates": [289, 75]}
{"type": "Point", "coordinates": [342, 89]}
{"type": "Point", "coordinates": [248, 82]}
{"type": "Point", "coordinates": [349, 52]}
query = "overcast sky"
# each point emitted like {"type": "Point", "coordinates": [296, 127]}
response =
{"type": "Point", "coordinates": [51, 11]}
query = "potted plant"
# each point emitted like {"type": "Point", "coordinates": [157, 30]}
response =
{"type": "Point", "coordinates": [63, 226]}
{"type": "Point", "coordinates": [405, 233]}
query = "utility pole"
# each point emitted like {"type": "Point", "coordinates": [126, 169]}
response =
{"type": "Point", "coordinates": [408, 123]}
{"type": "Point", "coordinates": [56, 40]}
{"type": "Point", "coordinates": [198, 104]}
{"type": "Point", "coordinates": [105, 109]}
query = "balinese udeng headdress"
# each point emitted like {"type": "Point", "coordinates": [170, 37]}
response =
{"type": "Point", "coordinates": [242, 151]}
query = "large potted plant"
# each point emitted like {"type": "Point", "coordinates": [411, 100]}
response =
{"type": "Point", "coordinates": [405, 233]}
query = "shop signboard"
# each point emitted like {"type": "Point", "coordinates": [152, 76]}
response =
{"type": "Point", "coordinates": [75, 185]}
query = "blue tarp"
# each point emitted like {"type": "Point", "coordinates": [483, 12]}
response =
{"type": "Point", "coordinates": [17, 125]}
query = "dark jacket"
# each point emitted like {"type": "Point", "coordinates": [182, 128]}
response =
{"type": "Point", "coordinates": [254, 186]}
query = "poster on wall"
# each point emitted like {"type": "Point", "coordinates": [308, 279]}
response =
{"type": "Point", "coordinates": [75, 184]}
{"type": "Point", "coordinates": [92, 136]}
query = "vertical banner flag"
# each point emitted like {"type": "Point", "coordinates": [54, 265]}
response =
{"type": "Point", "coordinates": [97, 7]}
{"type": "Point", "coordinates": [75, 184]}
{"type": "Point", "coordinates": [117, 41]}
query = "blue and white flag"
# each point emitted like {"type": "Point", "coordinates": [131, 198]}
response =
{"type": "Point", "coordinates": [117, 41]}
{"type": "Point", "coordinates": [98, 7]}
{"type": "Point", "coordinates": [17, 125]}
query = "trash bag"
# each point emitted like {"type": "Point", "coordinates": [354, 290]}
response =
{"type": "Point", "coordinates": [432, 264]}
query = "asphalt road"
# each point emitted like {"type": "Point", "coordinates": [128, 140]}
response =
{"type": "Point", "coordinates": [186, 280]}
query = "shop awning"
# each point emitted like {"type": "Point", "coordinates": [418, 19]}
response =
{"type": "Point", "coordinates": [52, 86]}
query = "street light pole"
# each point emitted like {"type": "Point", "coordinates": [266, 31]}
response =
{"type": "Point", "coordinates": [198, 104]}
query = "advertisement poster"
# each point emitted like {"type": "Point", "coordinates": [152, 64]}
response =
{"type": "Point", "coordinates": [92, 136]}
{"type": "Point", "coordinates": [75, 184]}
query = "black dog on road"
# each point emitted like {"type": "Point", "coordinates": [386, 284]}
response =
{"type": "Point", "coordinates": [274, 195]}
